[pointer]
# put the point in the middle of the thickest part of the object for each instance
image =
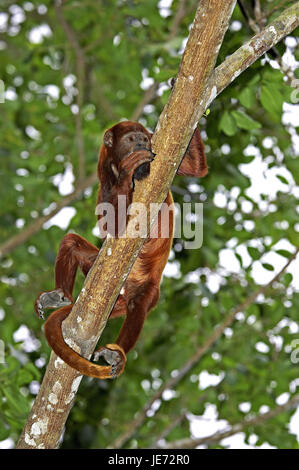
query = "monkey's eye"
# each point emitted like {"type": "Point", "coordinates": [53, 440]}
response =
{"type": "Point", "coordinates": [145, 139]}
{"type": "Point", "coordinates": [131, 138]}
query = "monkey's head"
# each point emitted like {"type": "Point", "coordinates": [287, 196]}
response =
{"type": "Point", "coordinates": [122, 140]}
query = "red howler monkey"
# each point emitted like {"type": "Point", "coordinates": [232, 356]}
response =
{"type": "Point", "coordinates": [125, 155]}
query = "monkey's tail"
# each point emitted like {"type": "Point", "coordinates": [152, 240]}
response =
{"type": "Point", "coordinates": [53, 333]}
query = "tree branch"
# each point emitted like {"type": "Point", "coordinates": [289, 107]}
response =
{"type": "Point", "coordinates": [190, 443]}
{"type": "Point", "coordinates": [247, 54]}
{"type": "Point", "coordinates": [275, 8]}
{"type": "Point", "coordinates": [173, 424]}
{"type": "Point", "coordinates": [80, 73]}
{"type": "Point", "coordinates": [148, 96]}
{"type": "Point", "coordinates": [257, 25]}
{"type": "Point", "coordinates": [183, 371]}
{"type": "Point", "coordinates": [151, 92]}
{"type": "Point", "coordinates": [37, 225]}
{"type": "Point", "coordinates": [179, 16]}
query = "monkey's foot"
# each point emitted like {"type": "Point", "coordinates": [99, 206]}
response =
{"type": "Point", "coordinates": [51, 299]}
{"type": "Point", "coordinates": [113, 355]}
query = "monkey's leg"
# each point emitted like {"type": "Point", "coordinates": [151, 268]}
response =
{"type": "Point", "coordinates": [144, 300]}
{"type": "Point", "coordinates": [139, 306]}
{"type": "Point", "coordinates": [74, 251]}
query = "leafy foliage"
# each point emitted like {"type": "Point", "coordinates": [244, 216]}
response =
{"type": "Point", "coordinates": [250, 218]}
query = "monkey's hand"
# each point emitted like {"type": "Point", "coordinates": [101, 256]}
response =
{"type": "Point", "coordinates": [129, 165]}
{"type": "Point", "coordinates": [113, 355]}
{"type": "Point", "coordinates": [51, 299]}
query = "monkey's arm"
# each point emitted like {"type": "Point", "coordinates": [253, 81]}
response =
{"type": "Point", "coordinates": [119, 193]}
{"type": "Point", "coordinates": [194, 162]}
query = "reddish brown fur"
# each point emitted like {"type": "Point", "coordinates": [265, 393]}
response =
{"type": "Point", "coordinates": [142, 288]}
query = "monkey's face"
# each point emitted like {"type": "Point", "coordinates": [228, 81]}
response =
{"type": "Point", "coordinates": [132, 142]}
{"type": "Point", "coordinates": [122, 140]}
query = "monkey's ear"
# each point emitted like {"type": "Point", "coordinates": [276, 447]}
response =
{"type": "Point", "coordinates": [108, 138]}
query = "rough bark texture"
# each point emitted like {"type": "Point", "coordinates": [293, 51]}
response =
{"type": "Point", "coordinates": [88, 318]}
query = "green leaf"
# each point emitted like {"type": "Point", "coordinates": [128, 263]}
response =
{"type": "Point", "coordinates": [24, 377]}
{"type": "Point", "coordinates": [4, 433]}
{"type": "Point", "coordinates": [287, 279]}
{"type": "Point", "coordinates": [282, 179]}
{"type": "Point", "coordinates": [34, 371]}
{"type": "Point", "coordinates": [255, 79]}
{"type": "Point", "coordinates": [227, 124]}
{"type": "Point", "coordinates": [271, 98]}
{"type": "Point", "coordinates": [244, 121]}
{"type": "Point", "coordinates": [254, 252]}
{"type": "Point", "coordinates": [247, 97]}
{"type": "Point", "coordinates": [268, 266]}
{"type": "Point", "coordinates": [284, 253]}
{"type": "Point", "coordinates": [16, 401]}
{"type": "Point", "coordinates": [11, 365]}
{"type": "Point", "coordinates": [239, 258]}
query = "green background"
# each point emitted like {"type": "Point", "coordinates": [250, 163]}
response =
{"type": "Point", "coordinates": [121, 43]}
